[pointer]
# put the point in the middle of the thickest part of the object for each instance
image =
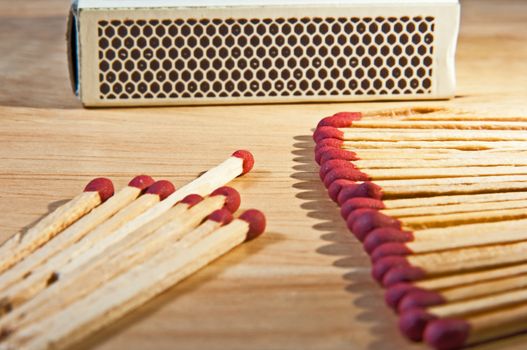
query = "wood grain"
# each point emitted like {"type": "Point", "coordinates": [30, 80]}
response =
{"type": "Point", "coordinates": [305, 284]}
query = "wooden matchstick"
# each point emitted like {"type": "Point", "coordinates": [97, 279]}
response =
{"type": "Point", "coordinates": [459, 283]}
{"type": "Point", "coordinates": [387, 134]}
{"type": "Point", "coordinates": [76, 231]}
{"type": "Point", "coordinates": [395, 269]}
{"type": "Point", "coordinates": [439, 124]}
{"type": "Point", "coordinates": [423, 298]}
{"type": "Point", "coordinates": [114, 256]}
{"type": "Point", "coordinates": [118, 297]}
{"type": "Point", "coordinates": [455, 333]}
{"type": "Point", "coordinates": [24, 243]}
{"type": "Point", "coordinates": [39, 277]}
{"type": "Point", "coordinates": [375, 164]}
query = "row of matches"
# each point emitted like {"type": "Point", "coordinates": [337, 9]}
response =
{"type": "Point", "coordinates": [103, 254]}
{"type": "Point", "coordinates": [439, 203]}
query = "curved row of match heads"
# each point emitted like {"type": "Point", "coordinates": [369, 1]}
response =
{"type": "Point", "coordinates": [361, 201]}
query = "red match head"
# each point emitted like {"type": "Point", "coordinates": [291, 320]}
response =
{"type": "Point", "coordinates": [340, 120]}
{"type": "Point", "coordinates": [330, 142]}
{"type": "Point", "coordinates": [337, 186]}
{"type": "Point", "coordinates": [356, 214]}
{"type": "Point", "coordinates": [390, 249]}
{"type": "Point", "coordinates": [334, 164]}
{"type": "Point", "coordinates": [102, 185]}
{"type": "Point", "coordinates": [356, 203]}
{"type": "Point", "coordinates": [397, 292]}
{"type": "Point", "coordinates": [337, 153]}
{"type": "Point", "coordinates": [327, 132]}
{"type": "Point", "coordinates": [420, 299]}
{"type": "Point", "coordinates": [191, 200]}
{"type": "Point", "coordinates": [447, 334]}
{"type": "Point", "coordinates": [381, 267]}
{"type": "Point", "coordinates": [162, 188]}
{"type": "Point", "coordinates": [221, 216]}
{"type": "Point", "coordinates": [232, 197]}
{"type": "Point", "coordinates": [348, 173]}
{"type": "Point", "coordinates": [248, 160]}
{"type": "Point", "coordinates": [401, 274]}
{"type": "Point", "coordinates": [366, 189]}
{"type": "Point", "coordinates": [384, 235]}
{"type": "Point", "coordinates": [373, 221]}
{"type": "Point", "coordinates": [257, 222]}
{"type": "Point", "coordinates": [413, 323]}
{"type": "Point", "coordinates": [142, 182]}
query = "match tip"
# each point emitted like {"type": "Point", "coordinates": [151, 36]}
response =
{"type": "Point", "coordinates": [381, 267]}
{"type": "Point", "coordinates": [366, 189]}
{"type": "Point", "coordinates": [348, 173]}
{"type": "Point", "coordinates": [447, 334]}
{"type": "Point", "coordinates": [222, 216]}
{"type": "Point", "coordinates": [390, 249]}
{"type": "Point", "coordinates": [383, 236]}
{"type": "Point", "coordinates": [397, 292]}
{"type": "Point", "coordinates": [401, 274]}
{"type": "Point", "coordinates": [374, 221]}
{"type": "Point", "coordinates": [340, 120]}
{"type": "Point", "coordinates": [102, 185]}
{"type": "Point", "coordinates": [420, 299]}
{"type": "Point", "coordinates": [336, 153]}
{"type": "Point", "coordinates": [413, 323]}
{"type": "Point", "coordinates": [337, 186]}
{"type": "Point", "coordinates": [333, 164]}
{"type": "Point", "coordinates": [142, 182]}
{"type": "Point", "coordinates": [327, 132]}
{"type": "Point", "coordinates": [232, 197]}
{"type": "Point", "coordinates": [192, 200]}
{"type": "Point", "coordinates": [248, 160]}
{"type": "Point", "coordinates": [257, 222]}
{"type": "Point", "coordinates": [353, 204]}
{"type": "Point", "coordinates": [162, 188]}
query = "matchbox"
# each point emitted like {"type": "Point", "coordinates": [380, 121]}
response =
{"type": "Point", "coordinates": [168, 52]}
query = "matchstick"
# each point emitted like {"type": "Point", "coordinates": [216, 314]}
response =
{"type": "Point", "coordinates": [114, 256]}
{"type": "Point", "coordinates": [395, 269]}
{"type": "Point", "coordinates": [387, 134]}
{"type": "Point", "coordinates": [118, 297]}
{"type": "Point", "coordinates": [327, 150]}
{"type": "Point", "coordinates": [22, 244]}
{"type": "Point", "coordinates": [435, 124]}
{"type": "Point", "coordinates": [460, 332]}
{"type": "Point", "coordinates": [40, 276]}
{"type": "Point", "coordinates": [424, 298]}
{"type": "Point", "coordinates": [77, 231]}
{"type": "Point", "coordinates": [414, 321]}
{"type": "Point", "coordinates": [459, 282]}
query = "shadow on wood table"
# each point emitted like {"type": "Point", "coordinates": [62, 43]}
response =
{"type": "Point", "coordinates": [346, 250]}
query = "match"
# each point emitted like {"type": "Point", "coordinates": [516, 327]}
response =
{"type": "Point", "coordinates": [39, 277]}
{"type": "Point", "coordinates": [78, 230]}
{"type": "Point", "coordinates": [24, 243]}
{"type": "Point", "coordinates": [118, 297]}
{"type": "Point", "coordinates": [455, 333]}
{"type": "Point", "coordinates": [414, 321]}
{"type": "Point", "coordinates": [396, 269]}
{"type": "Point", "coordinates": [459, 282]}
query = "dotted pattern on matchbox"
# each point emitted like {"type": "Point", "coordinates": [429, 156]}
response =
{"type": "Point", "coordinates": [229, 58]}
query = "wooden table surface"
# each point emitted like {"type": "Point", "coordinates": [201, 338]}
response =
{"type": "Point", "coordinates": [305, 284]}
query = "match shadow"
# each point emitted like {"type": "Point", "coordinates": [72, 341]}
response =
{"type": "Point", "coordinates": [346, 250]}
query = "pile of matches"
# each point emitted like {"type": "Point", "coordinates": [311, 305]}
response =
{"type": "Point", "coordinates": [102, 254]}
{"type": "Point", "coordinates": [439, 203]}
